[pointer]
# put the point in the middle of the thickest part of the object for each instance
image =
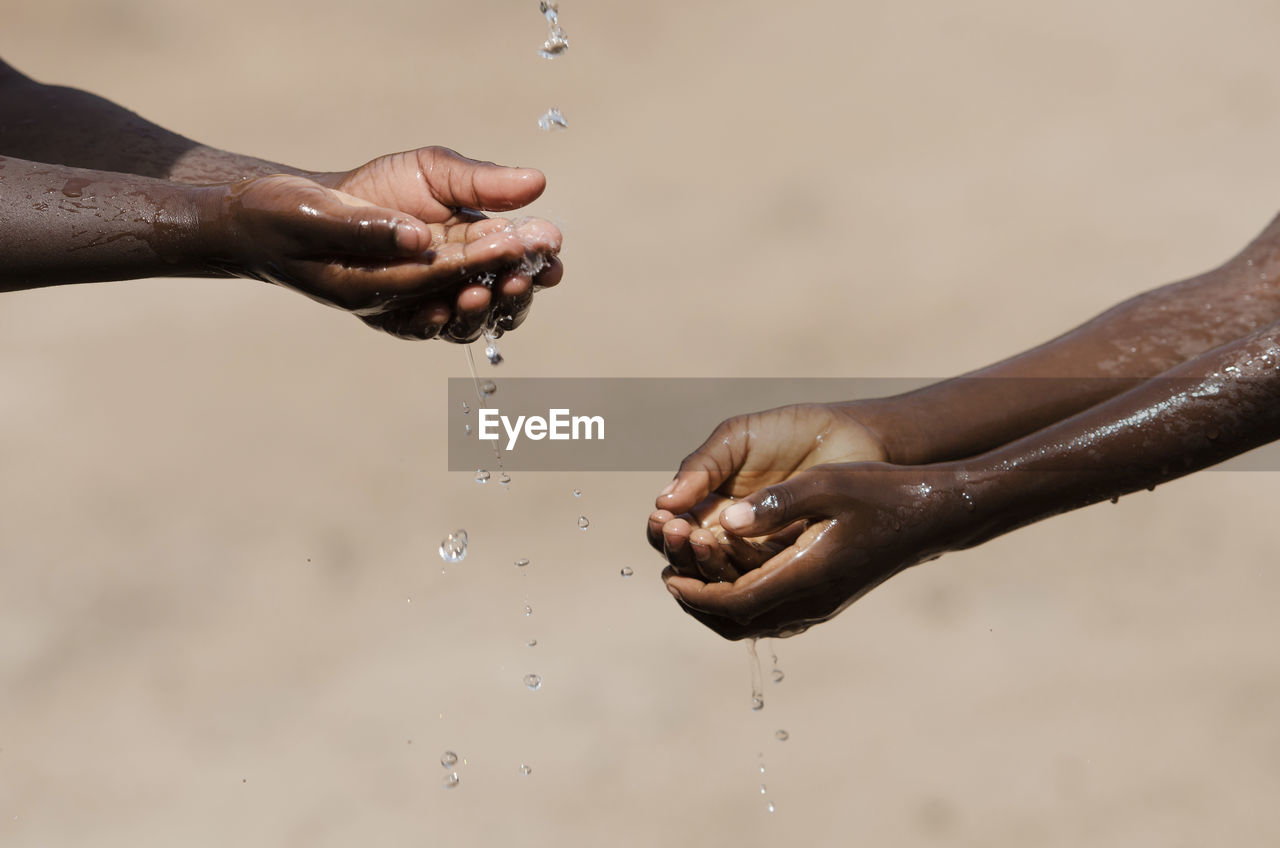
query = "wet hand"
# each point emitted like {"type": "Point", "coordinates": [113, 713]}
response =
{"type": "Point", "coordinates": [827, 536]}
{"type": "Point", "coordinates": [440, 187]}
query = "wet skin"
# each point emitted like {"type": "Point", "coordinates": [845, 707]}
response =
{"type": "Point", "coordinates": [833, 500]}
{"type": "Point", "coordinates": [401, 241]}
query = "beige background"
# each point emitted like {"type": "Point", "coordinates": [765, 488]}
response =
{"type": "Point", "coordinates": [222, 617]}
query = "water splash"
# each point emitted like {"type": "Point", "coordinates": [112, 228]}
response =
{"type": "Point", "coordinates": [557, 42]}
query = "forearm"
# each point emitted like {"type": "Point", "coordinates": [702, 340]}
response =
{"type": "Point", "coordinates": [1215, 406]}
{"type": "Point", "coordinates": [47, 123]}
{"type": "Point", "coordinates": [72, 225]}
{"type": "Point", "coordinates": [1114, 352]}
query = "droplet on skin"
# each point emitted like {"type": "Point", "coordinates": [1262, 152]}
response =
{"type": "Point", "coordinates": [533, 682]}
{"type": "Point", "coordinates": [482, 476]}
{"type": "Point", "coordinates": [454, 546]}
{"type": "Point", "coordinates": [782, 736]}
{"type": "Point", "coordinates": [627, 571]}
{"type": "Point", "coordinates": [448, 759]}
{"type": "Point", "coordinates": [451, 780]}
{"type": "Point", "coordinates": [583, 523]}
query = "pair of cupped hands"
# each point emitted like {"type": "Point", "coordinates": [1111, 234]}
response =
{"type": "Point", "coordinates": [783, 518]}
{"type": "Point", "coordinates": [402, 241]}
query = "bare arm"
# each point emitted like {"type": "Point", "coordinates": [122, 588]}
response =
{"type": "Point", "coordinates": [1135, 340]}
{"type": "Point", "coordinates": [50, 123]}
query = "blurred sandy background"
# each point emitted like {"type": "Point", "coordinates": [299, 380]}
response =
{"type": "Point", "coordinates": [222, 617]}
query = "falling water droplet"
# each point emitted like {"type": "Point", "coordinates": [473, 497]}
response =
{"type": "Point", "coordinates": [487, 388]}
{"type": "Point", "coordinates": [528, 610]}
{"type": "Point", "coordinates": [521, 563]}
{"type": "Point", "coordinates": [482, 476]}
{"type": "Point", "coordinates": [763, 789]}
{"type": "Point", "coordinates": [525, 770]}
{"type": "Point", "coordinates": [583, 523]}
{"type": "Point", "coordinates": [627, 571]}
{"type": "Point", "coordinates": [454, 546]}
{"type": "Point", "coordinates": [491, 351]}
{"type": "Point", "coordinates": [448, 759]}
{"type": "Point", "coordinates": [757, 702]}
{"type": "Point", "coordinates": [504, 478]}
{"type": "Point", "coordinates": [778, 676]}
{"type": "Point", "coordinates": [555, 45]}
{"type": "Point", "coordinates": [782, 736]}
{"type": "Point", "coordinates": [467, 429]}
{"type": "Point", "coordinates": [451, 780]}
{"type": "Point", "coordinates": [551, 120]}
{"type": "Point", "coordinates": [466, 410]}
{"type": "Point", "coordinates": [533, 682]}
{"type": "Point", "coordinates": [771, 808]}
{"type": "Point", "coordinates": [532, 643]}
{"type": "Point", "coordinates": [577, 493]}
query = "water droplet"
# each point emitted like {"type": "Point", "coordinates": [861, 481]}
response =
{"type": "Point", "coordinates": [550, 10]}
{"type": "Point", "coordinates": [1115, 499]}
{"type": "Point", "coordinates": [448, 759]}
{"type": "Point", "coordinates": [525, 770]}
{"type": "Point", "coordinates": [627, 571]}
{"type": "Point", "coordinates": [532, 643]}
{"type": "Point", "coordinates": [451, 780]}
{"type": "Point", "coordinates": [552, 119]}
{"type": "Point", "coordinates": [555, 45]}
{"type": "Point", "coordinates": [782, 736]}
{"type": "Point", "coordinates": [533, 682]}
{"type": "Point", "coordinates": [482, 476]}
{"type": "Point", "coordinates": [968, 501]}
{"type": "Point", "coordinates": [763, 789]}
{"type": "Point", "coordinates": [466, 410]}
{"type": "Point", "coordinates": [771, 808]}
{"type": "Point", "coordinates": [778, 675]}
{"type": "Point", "coordinates": [487, 388]}
{"type": "Point", "coordinates": [521, 563]}
{"type": "Point", "coordinates": [467, 429]}
{"type": "Point", "coordinates": [528, 610]}
{"type": "Point", "coordinates": [583, 523]}
{"type": "Point", "coordinates": [757, 702]}
{"type": "Point", "coordinates": [504, 478]}
{"type": "Point", "coordinates": [577, 493]}
{"type": "Point", "coordinates": [491, 351]}
{"type": "Point", "coordinates": [454, 546]}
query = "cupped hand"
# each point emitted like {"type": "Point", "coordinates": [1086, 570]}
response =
{"type": "Point", "coordinates": [839, 530]}
{"type": "Point", "coordinates": [742, 455]}
{"type": "Point", "coordinates": [439, 186]}
{"type": "Point", "coordinates": [398, 242]}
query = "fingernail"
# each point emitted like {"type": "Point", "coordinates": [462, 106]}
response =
{"type": "Point", "coordinates": [738, 515]}
{"type": "Point", "coordinates": [408, 236]}
{"type": "Point", "coordinates": [675, 593]}
{"type": "Point", "coordinates": [701, 552]}
{"type": "Point", "coordinates": [671, 487]}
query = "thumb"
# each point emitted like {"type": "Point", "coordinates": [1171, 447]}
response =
{"type": "Point", "coordinates": [347, 224]}
{"type": "Point", "coordinates": [807, 495]}
{"type": "Point", "coordinates": [455, 180]}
